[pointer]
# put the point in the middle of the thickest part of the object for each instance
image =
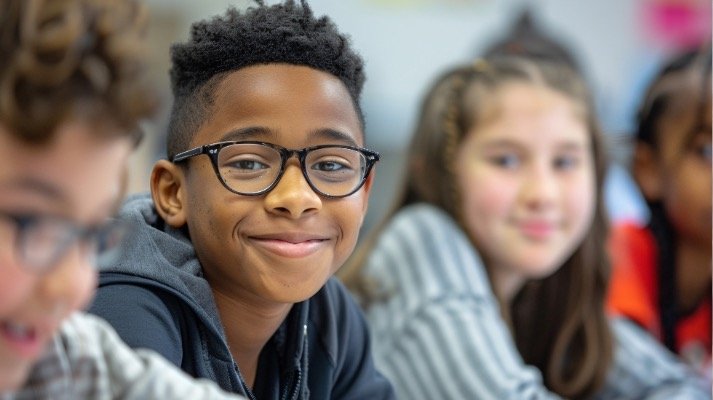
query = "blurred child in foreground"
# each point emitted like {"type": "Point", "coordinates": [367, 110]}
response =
{"type": "Point", "coordinates": [72, 91]}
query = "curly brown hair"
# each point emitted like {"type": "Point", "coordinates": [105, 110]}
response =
{"type": "Point", "coordinates": [63, 58]}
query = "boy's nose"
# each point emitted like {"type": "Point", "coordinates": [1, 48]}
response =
{"type": "Point", "coordinates": [293, 196]}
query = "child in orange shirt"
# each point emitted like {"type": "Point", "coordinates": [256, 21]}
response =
{"type": "Point", "coordinates": [662, 272]}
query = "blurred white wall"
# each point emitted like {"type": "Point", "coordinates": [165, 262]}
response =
{"type": "Point", "coordinates": [407, 43]}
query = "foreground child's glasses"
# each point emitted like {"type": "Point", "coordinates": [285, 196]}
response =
{"type": "Point", "coordinates": [255, 168]}
{"type": "Point", "coordinates": [42, 241]}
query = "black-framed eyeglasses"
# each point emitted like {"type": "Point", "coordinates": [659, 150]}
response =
{"type": "Point", "coordinates": [255, 168]}
{"type": "Point", "coordinates": [41, 241]}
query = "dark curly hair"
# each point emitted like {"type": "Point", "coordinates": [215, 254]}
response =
{"type": "Point", "coordinates": [64, 58]}
{"type": "Point", "coordinates": [282, 33]}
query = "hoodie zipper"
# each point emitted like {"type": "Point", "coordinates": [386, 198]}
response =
{"type": "Point", "coordinates": [295, 380]}
{"type": "Point", "coordinates": [295, 386]}
{"type": "Point", "coordinates": [247, 391]}
{"type": "Point", "coordinates": [298, 384]}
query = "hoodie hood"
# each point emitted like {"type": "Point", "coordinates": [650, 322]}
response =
{"type": "Point", "coordinates": [164, 256]}
{"type": "Point", "coordinates": [158, 256]}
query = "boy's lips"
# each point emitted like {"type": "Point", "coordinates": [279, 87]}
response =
{"type": "Point", "coordinates": [25, 340]}
{"type": "Point", "coordinates": [291, 245]}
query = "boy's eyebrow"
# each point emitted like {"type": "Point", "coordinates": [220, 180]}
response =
{"type": "Point", "coordinates": [252, 132]}
{"type": "Point", "coordinates": [37, 186]}
{"type": "Point", "coordinates": [53, 193]}
{"type": "Point", "coordinates": [261, 132]}
{"type": "Point", "coordinates": [333, 134]}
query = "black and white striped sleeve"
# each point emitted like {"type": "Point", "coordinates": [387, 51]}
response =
{"type": "Point", "coordinates": [644, 369]}
{"type": "Point", "coordinates": [440, 335]}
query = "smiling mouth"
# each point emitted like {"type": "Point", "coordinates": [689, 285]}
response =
{"type": "Point", "coordinates": [538, 230]}
{"type": "Point", "coordinates": [289, 248]}
{"type": "Point", "coordinates": [22, 339]}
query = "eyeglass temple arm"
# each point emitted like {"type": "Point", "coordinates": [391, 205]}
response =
{"type": "Point", "coordinates": [188, 154]}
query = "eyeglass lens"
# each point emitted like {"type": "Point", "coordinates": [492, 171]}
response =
{"type": "Point", "coordinates": [251, 168]}
{"type": "Point", "coordinates": [42, 242]}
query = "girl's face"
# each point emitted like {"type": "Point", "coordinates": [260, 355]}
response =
{"type": "Point", "coordinates": [75, 178]}
{"type": "Point", "coordinates": [684, 165]}
{"type": "Point", "coordinates": [527, 180]}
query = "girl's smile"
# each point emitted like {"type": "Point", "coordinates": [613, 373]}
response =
{"type": "Point", "coordinates": [537, 230]}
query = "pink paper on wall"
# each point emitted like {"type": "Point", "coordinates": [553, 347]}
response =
{"type": "Point", "coordinates": [680, 24]}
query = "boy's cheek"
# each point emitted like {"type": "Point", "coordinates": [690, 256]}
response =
{"type": "Point", "coordinates": [85, 296]}
{"type": "Point", "coordinates": [15, 285]}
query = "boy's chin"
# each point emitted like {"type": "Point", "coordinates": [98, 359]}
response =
{"type": "Point", "coordinates": [14, 376]}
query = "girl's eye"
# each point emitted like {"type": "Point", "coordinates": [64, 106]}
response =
{"type": "Point", "coordinates": [700, 145]}
{"type": "Point", "coordinates": [704, 151]}
{"type": "Point", "coordinates": [508, 161]}
{"type": "Point", "coordinates": [566, 162]}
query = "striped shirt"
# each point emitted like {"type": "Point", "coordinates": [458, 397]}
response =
{"type": "Point", "coordinates": [87, 360]}
{"type": "Point", "coordinates": [439, 334]}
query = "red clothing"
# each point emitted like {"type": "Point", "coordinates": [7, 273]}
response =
{"type": "Point", "coordinates": [634, 288]}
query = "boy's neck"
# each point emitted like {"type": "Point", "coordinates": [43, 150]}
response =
{"type": "Point", "coordinates": [693, 275]}
{"type": "Point", "coordinates": [248, 328]}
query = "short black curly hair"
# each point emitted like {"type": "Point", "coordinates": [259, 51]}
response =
{"type": "Point", "coordinates": [282, 33]}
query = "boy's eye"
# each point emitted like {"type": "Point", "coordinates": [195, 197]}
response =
{"type": "Point", "coordinates": [328, 166]}
{"type": "Point", "coordinates": [248, 165]}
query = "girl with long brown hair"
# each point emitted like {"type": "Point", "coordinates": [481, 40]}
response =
{"type": "Point", "coordinates": [489, 277]}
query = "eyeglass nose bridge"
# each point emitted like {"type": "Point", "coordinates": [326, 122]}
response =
{"type": "Point", "coordinates": [285, 155]}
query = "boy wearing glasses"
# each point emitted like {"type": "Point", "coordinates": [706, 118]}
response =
{"type": "Point", "coordinates": [228, 273]}
{"type": "Point", "coordinates": [72, 89]}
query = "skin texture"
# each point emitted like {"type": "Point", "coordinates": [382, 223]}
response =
{"type": "Point", "coordinates": [76, 176]}
{"type": "Point", "coordinates": [527, 181]}
{"type": "Point", "coordinates": [261, 254]}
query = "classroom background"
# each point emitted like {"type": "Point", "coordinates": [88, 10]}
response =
{"type": "Point", "coordinates": [619, 45]}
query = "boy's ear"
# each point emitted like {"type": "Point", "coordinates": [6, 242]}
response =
{"type": "Point", "coordinates": [168, 192]}
{"type": "Point", "coordinates": [647, 171]}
